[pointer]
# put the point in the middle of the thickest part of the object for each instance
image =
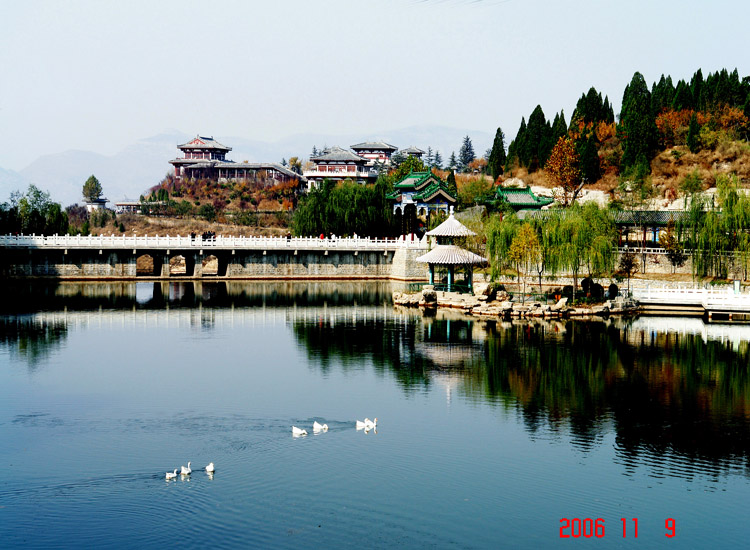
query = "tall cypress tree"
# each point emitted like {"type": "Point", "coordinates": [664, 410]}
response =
{"type": "Point", "coordinates": [638, 121]}
{"type": "Point", "coordinates": [588, 159]}
{"type": "Point", "coordinates": [451, 183]}
{"type": "Point", "coordinates": [497, 159]}
{"type": "Point", "coordinates": [537, 140]}
{"type": "Point", "coordinates": [517, 147]}
{"type": "Point", "coordinates": [696, 88]}
{"type": "Point", "coordinates": [683, 97]}
{"type": "Point", "coordinates": [559, 127]}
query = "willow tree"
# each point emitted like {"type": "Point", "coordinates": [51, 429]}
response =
{"type": "Point", "coordinates": [718, 231]}
{"type": "Point", "coordinates": [586, 241]}
{"type": "Point", "coordinates": [500, 235]}
{"type": "Point", "coordinates": [549, 234]}
{"type": "Point", "coordinates": [525, 252]}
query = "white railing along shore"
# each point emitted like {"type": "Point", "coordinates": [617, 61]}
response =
{"type": "Point", "coordinates": [219, 242]}
{"type": "Point", "coordinates": [709, 298]}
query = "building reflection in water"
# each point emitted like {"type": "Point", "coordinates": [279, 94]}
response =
{"type": "Point", "coordinates": [676, 389]}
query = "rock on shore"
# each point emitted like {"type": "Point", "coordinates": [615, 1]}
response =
{"type": "Point", "coordinates": [497, 304]}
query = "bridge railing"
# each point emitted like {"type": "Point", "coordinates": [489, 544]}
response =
{"type": "Point", "coordinates": [219, 242]}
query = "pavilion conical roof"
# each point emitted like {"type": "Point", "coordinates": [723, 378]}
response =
{"type": "Point", "coordinates": [451, 228]}
{"type": "Point", "coordinates": [450, 254]}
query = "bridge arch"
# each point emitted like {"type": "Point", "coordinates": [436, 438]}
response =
{"type": "Point", "coordinates": [177, 265]}
{"type": "Point", "coordinates": [210, 265]}
{"type": "Point", "coordinates": [144, 266]}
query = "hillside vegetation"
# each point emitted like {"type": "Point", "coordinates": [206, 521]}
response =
{"type": "Point", "coordinates": [663, 134]}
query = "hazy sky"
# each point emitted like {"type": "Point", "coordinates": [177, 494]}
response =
{"type": "Point", "coordinates": [98, 75]}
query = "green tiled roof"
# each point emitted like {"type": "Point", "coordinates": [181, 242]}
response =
{"type": "Point", "coordinates": [430, 191]}
{"type": "Point", "coordinates": [424, 184]}
{"type": "Point", "coordinates": [414, 180]}
{"type": "Point", "coordinates": [521, 198]}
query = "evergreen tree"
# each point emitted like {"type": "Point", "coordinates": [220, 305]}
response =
{"type": "Point", "coordinates": [693, 133]}
{"type": "Point", "coordinates": [696, 88]}
{"type": "Point", "coordinates": [438, 162]}
{"type": "Point", "coordinates": [452, 163]}
{"type": "Point", "coordinates": [429, 157]}
{"type": "Point", "coordinates": [315, 152]}
{"type": "Point", "coordinates": [92, 189]}
{"type": "Point", "coordinates": [559, 126]}
{"type": "Point", "coordinates": [451, 182]}
{"type": "Point", "coordinates": [283, 161]}
{"type": "Point", "coordinates": [497, 159]}
{"type": "Point", "coordinates": [588, 159]}
{"type": "Point", "coordinates": [466, 153]}
{"type": "Point", "coordinates": [638, 121]}
{"type": "Point", "coordinates": [537, 143]}
{"type": "Point", "coordinates": [516, 147]}
{"type": "Point", "coordinates": [662, 94]}
{"type": "Point", "coordinates": [683, 97]}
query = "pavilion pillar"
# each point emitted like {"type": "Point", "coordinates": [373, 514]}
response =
{"type": "Point", "coordinates": [450, 278]}
{"type": "Point", "coordinates": [470, 275]}
{"type": "Point", "coordinates": [432, 274]}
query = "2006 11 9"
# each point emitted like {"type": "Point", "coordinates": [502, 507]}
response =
{"type": "Point", "coordinates": [588, 528]}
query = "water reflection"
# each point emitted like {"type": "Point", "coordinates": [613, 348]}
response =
{"type": "Point", "coordinates": [31, 340]}
{"type": "Point", "coordinates": [27, 297]}
{"type": "Point", "coordinates": [682, 394]}
{"type": "Point", "coordinates": [675, 388]}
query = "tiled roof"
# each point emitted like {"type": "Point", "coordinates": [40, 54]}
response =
{"type": "Point", "coordinates": [522, 197]}
{"type": "Point", "coordinates": [201, 142]}
{"type": "Point", "coordinates": [412, 151]}
{"type": "Point", "coordinates": [374, 145]}
{"type": "Point", "coordinates": [426, 185]}
{"type": "Point", "coordinates": [431, 190]}
{"type": "Point", "coordinates": [338, 154]}
{"type": "Point", "coordinates": [451, 228]}
{"type": "Point", "coordinates": [414, 180]}
{"type": "Point", "coordinates": [450, 254]}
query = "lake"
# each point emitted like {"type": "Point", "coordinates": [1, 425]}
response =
{"type": "Point", "coordinates": [490, 434]}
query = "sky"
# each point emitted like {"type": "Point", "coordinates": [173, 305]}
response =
{"type": "Point", "coordinates": [99, 75]}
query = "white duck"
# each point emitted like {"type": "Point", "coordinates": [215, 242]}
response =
{"type": "Point", "coordinates": [210, 468]}
{"type": "Point", "coordinates": [186, 471]}
{"type": "Point", "coordinates": [296, 432]}
{"type": "Point", "coordinates": [360, 425]}
{"type": "Point", "coordinates": [172, 475]}
{"type": "Point", "coordinates": [317, 427]}
{"type": "Point", "coordinates": [371, 424]}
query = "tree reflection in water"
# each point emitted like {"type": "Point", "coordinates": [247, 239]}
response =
{"type": "Point", "coordinates": [30, 339]}
{"type": "Point", "coordinates": [662, 393]}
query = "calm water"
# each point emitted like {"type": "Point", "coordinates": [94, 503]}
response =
{"type": "Point", "coordinates": [488, 433]}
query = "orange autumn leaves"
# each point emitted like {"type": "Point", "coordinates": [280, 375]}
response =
{"type": "Point", "coordinates": [563, 167]}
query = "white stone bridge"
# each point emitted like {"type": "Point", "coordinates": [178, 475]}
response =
{"type": "Point", "coordinates": [121, 257]}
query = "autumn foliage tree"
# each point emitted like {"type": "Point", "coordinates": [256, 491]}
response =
{"type": "Point", "coordinates": [564, 170]}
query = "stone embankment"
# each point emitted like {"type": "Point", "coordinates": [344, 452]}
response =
{"type": "Point", "coordinates": [499, 304]}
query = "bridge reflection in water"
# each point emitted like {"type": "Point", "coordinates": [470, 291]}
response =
{"type": "Point", "coordinates": [674, 392]}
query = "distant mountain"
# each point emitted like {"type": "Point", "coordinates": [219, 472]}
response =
{"type": "Point", "coordinates": [140, 166]}
{"type": "Point", "coordinates": [11, 181]}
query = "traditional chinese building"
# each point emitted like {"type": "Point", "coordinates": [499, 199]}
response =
{"type": "Point", "coordinates": [416, 197]}
{"type": "Point", "coordinates": [447, 256]}
{"type": "Point", "coordinates": [337, 164]}
{"type": "Point", "coordinates": [412, 152]}
{"type": "Point", "coordinates": [520, 199]}
{"type": "Point", "coordinates": [205, 158]}
{"type": "Point", "coordinates": [375, 151]}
